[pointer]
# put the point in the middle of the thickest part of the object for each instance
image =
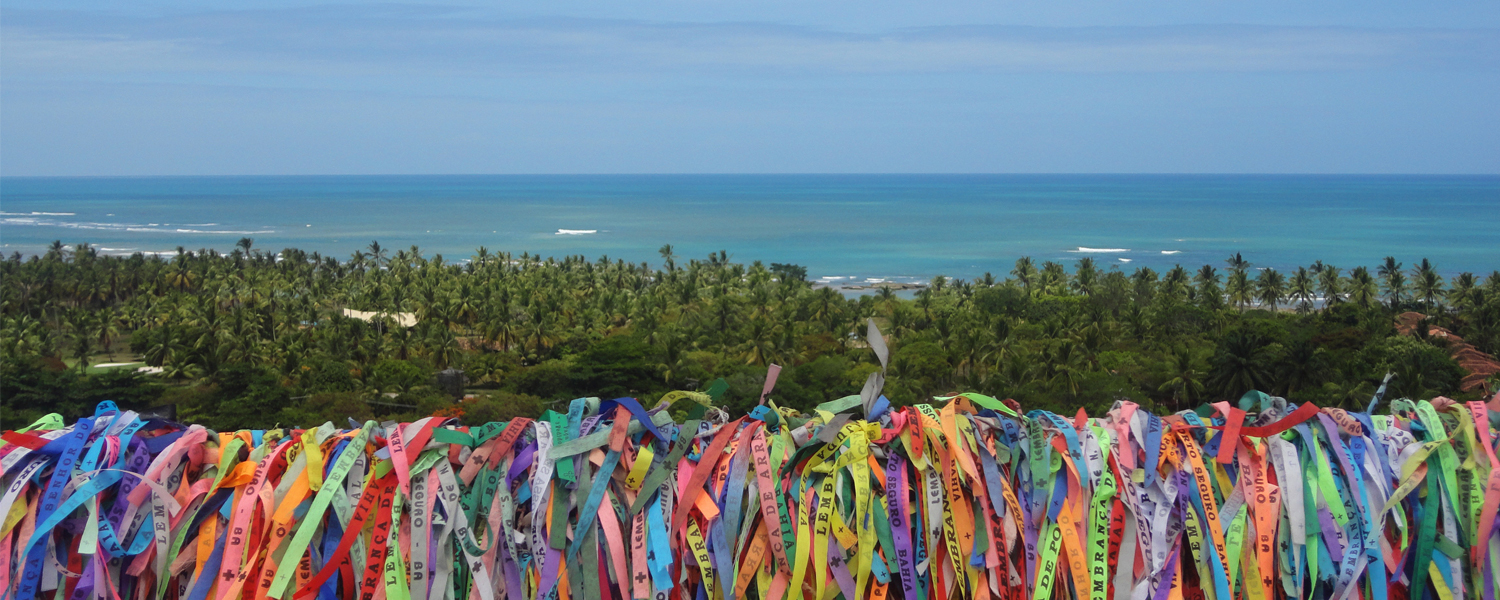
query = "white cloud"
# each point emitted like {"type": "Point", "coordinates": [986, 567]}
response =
{"type": "Point", "coordinates": [347, 42]}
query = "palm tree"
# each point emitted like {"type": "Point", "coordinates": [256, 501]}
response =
{"type": "Point", "coordinates": [1175, 283]}
{"type": "Point", "coordinates": [925, 302]}
{"type": "Point", "coordinates": [1270, 288]}
{"type": "Point", "coordinates": [400, 342]}
{"type": "Point", "coordinates": [181, 276]}
{"type": "Point", "coordinates": [887, 299]}
{"type": "Point", "coordinates": [443, 348]}
{"type": "Point", "coordinates": [1240, 290]}
{"type": "Point", "coordinates": [673, 346]}
{"type": "Point", "coordinates": [998, 341]}
{"type": "Point", "coordinates": [1301, 288]}
{"type": "Point", "coordinates": [824, 303]}
{"type": "Point", "coordinates": [1209, 292]}
{"type": "Point", "coordinates": [1092, 339]}
{"type": "Point", "coordinates": [24, 336]}
{"type": "Point", "coordinates": [969, 344]}
{"type": "Point", "coordinates": [1302, 367]}
{"type": "Point", "coordinates": [1054, 279]}
{"type": "Point", "coordinates": [56, 251]}
{"type": "Point", "coordinates": [1463, 293]}
{"type": "Point", "coordinates": [1085, 276]}
{"type": "Point", "coordinates": [760, 299]}
{"type": "Point", "coordinates": [105, 327]}
{"type": "Point", "coordinates": [759, 346]}
{"type": "Point", "coordinates": [1065, 367]}
{"type": "Point", "coordinates": [80, 325]}
{"type": "Point", "coordinates": [200, 313]}
{"type": "Point", "coordinates": [1144, 279]}
{"type": "Point", "coordinates": [542, 334]}
{"type": "Point", "coordinates": [499, 325]}
{"type": "Point", "coordinates": [903, 321]}
{"type": "Point", "coordinates": [463, 307]}
{"type": "Point", "coordinates": [1241, 364]}
{"type": "Point", "coordinates": [1330, 286]}
{"type": "Point", "coordinates": [1025, 273]}
{"type": "Point", "coordinates": [377, 253]}
{"type": "Point", "coordinates": [1393, 280]}
{"type": "Point", "coordinates": [1427, 283]}
{"type": "Point", "coordinates": [165, 345]}
{"type": "Point", "coordinates": [667, 257]}
{"type": "Point", "coordinates": [1186, 383]}
{"type": "Point", "coordinates": [1362, 288]}
{"type": "Point", "coordinates": [725, 308]}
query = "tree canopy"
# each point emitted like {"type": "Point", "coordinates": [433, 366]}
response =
{"type": "Point", "coordinates": [252, 338]}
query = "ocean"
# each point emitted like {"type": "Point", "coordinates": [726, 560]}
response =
{"type": "Point", "coordinates": [846, 229]}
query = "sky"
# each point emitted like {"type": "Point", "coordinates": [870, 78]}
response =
{"type": "Point", "coordinates": [211, 87]}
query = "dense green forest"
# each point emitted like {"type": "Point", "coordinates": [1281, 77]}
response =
{"type": "Point", "coordinates": [254, 339]}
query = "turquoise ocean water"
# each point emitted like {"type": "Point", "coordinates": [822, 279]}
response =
{"type": "Point", "coordinates": [844, 228]}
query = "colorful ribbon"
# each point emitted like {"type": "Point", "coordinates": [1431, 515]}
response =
{"type": "Point", "coordinates": [965, 498]}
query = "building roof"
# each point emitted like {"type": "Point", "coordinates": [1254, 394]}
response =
{"type": "Point", "coordinates": [401, 318]}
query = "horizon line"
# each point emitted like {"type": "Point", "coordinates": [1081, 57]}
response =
{"type": "Point", "coordinates": [768, 174]}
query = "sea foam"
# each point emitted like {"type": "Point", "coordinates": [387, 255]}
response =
{"type": "Point", "coordinates": [128, 227]}
{"type": "Point", "coordinates": [1100, 250]}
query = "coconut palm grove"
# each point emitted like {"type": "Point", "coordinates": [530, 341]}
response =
{"type": "Point", "coordinates": [252, 338]}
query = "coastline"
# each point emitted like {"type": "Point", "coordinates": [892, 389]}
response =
{"type": "Point", "coordinates": [905, 290]}
{"type": "Point", "coordinates": [893, 286]}
{"type": "Point", "coordinates": [898, 228]}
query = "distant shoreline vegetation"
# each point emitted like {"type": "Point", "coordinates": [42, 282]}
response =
{"type": "Point", "coordinates": [254, 339]}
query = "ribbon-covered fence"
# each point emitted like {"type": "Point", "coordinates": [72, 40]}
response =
{"type": "Point", "coordinates": [968, 497]}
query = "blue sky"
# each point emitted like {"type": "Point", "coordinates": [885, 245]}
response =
{"type": "Point", "coordinates": [763, 86]}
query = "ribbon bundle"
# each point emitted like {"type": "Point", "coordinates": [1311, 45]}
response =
{"type": "Point", "coordinates": [966, 498]}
